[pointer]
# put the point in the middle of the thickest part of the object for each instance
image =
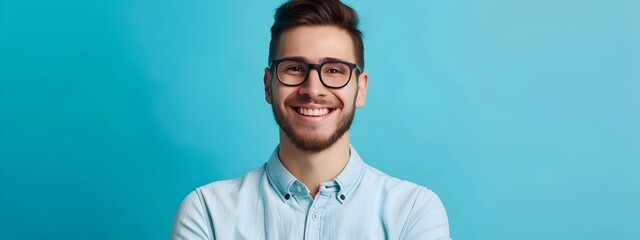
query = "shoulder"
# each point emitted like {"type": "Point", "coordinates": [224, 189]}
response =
{"type": "Point", "coordinates": [224, 187]}
{"type": "Point", "coordinates": [424, 214]}
{"type": "Point", "coordinates": [193, 219]}
{"type": "Point", "coordinates": [391, 185]}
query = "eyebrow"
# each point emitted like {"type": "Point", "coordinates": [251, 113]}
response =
{"type": "Point", "coordinates": [322, 60]}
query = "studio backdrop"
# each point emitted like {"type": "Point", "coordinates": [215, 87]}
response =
{"type": "Point", "coordinates": [523, 116]}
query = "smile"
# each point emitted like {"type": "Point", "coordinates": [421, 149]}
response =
{"type": "Point", "coordinates": [313, 112]}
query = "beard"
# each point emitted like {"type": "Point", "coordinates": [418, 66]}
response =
{"type": "Point", "coordinates": [310, 141]}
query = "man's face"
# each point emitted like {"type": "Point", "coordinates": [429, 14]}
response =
{"type": "Point", "coordinates": [313, 116]}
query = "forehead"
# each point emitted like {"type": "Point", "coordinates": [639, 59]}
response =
{"type": "Point", "coordinates": [314, 43]}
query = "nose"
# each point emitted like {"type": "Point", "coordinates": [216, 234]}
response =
{"type": "Point", "coordinates": [313, 87]}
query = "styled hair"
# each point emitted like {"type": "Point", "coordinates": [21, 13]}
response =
{"type": "Point", "coordinates": [295, 13]}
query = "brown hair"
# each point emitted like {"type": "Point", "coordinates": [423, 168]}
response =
{"type": "Point", "coordinates": [316, 12]}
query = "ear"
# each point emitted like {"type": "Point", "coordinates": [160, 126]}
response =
{"type": "Point", "coordinates": [361, 95]}
{"type": "Point", "coordinates": [267, 85]}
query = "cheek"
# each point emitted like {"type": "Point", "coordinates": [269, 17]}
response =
{"type": "Point", "coordinates": [280, 94]}
{"type": "Point", "coordinates": [348, 96]}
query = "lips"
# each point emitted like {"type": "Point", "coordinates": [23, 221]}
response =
{"type": "Point", "coordinates": [310, 110]}
{"type": "Point", "coordinates": [313, 112]}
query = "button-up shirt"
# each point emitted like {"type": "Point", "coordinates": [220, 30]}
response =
{"type": "Point", "coordinates": [270, 203]}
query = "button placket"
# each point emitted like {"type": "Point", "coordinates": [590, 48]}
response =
{"type": "Point", "coordinates": [313, 229]}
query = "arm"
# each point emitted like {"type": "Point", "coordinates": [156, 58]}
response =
{"type": "Point", "coordinates": [428, 218]}
{"type": "Point", "coordinates": [190, 221]}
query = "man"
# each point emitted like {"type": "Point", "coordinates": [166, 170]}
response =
{"type": "Point", "coordinates": [314, 186]}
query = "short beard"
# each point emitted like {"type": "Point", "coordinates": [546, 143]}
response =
{"type": "Point", "coordinates": [311, 143]}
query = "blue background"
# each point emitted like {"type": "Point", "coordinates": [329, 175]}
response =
{"type": "Point", "coordinates": [524, 116]}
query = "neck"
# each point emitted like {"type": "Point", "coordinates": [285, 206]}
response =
{"type": "Point", "coordinates": [314, 168]}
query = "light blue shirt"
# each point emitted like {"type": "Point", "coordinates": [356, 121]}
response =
{"type": "Point", "coordinates": [270, 203]}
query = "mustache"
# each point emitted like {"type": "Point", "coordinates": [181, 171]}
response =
{"type": "Point", "coordinates": [305, 99]}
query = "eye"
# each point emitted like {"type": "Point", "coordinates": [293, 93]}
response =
{"type": "Point", "coordinates": [334, 70]}
{"type": "Point", "coordinates": [294, 69]}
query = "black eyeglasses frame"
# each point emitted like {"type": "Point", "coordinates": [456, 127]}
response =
{"type": "Point", "coordinates": [276, 62]}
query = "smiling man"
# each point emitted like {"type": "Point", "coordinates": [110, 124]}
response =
{"type": "Point", "coordinates": [314, 185]}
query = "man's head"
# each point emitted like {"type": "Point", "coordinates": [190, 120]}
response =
{"type": "Point", "coordinates": [316, 13]}
{"type": "Point", "coordinates": [314, 80]}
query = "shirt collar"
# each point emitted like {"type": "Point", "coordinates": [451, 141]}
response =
{"type": "Point", "coordinates": [285, 183]}
{"type": "Point", "coordinates": [350, 176]}
{"type": "Point", "coordinates": [278, 176]}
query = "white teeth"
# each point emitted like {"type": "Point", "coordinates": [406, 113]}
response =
{"type": "Point", "coordinates": [313, 111]}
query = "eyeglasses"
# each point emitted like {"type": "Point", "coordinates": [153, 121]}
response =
{"type": "Point", "coordinates": [333, 74]}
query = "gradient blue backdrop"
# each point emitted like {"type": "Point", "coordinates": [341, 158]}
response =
{"type": "Point", "coordinates": [524, 116]}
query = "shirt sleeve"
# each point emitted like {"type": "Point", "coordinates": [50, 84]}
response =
{"type": "Point", "coordinates": [428, 218]}
{"type": "Point", "coordinates": [190, 221]}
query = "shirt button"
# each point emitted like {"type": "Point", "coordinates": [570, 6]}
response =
{"type": "Point", "coordinates": [299, 188]}
{"type": "Point", "coordinates": [342, 196]}
{"type": "Point", "coordinates": [287, 196]}
{"type": "Point", "coordinates": [314, 216]}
